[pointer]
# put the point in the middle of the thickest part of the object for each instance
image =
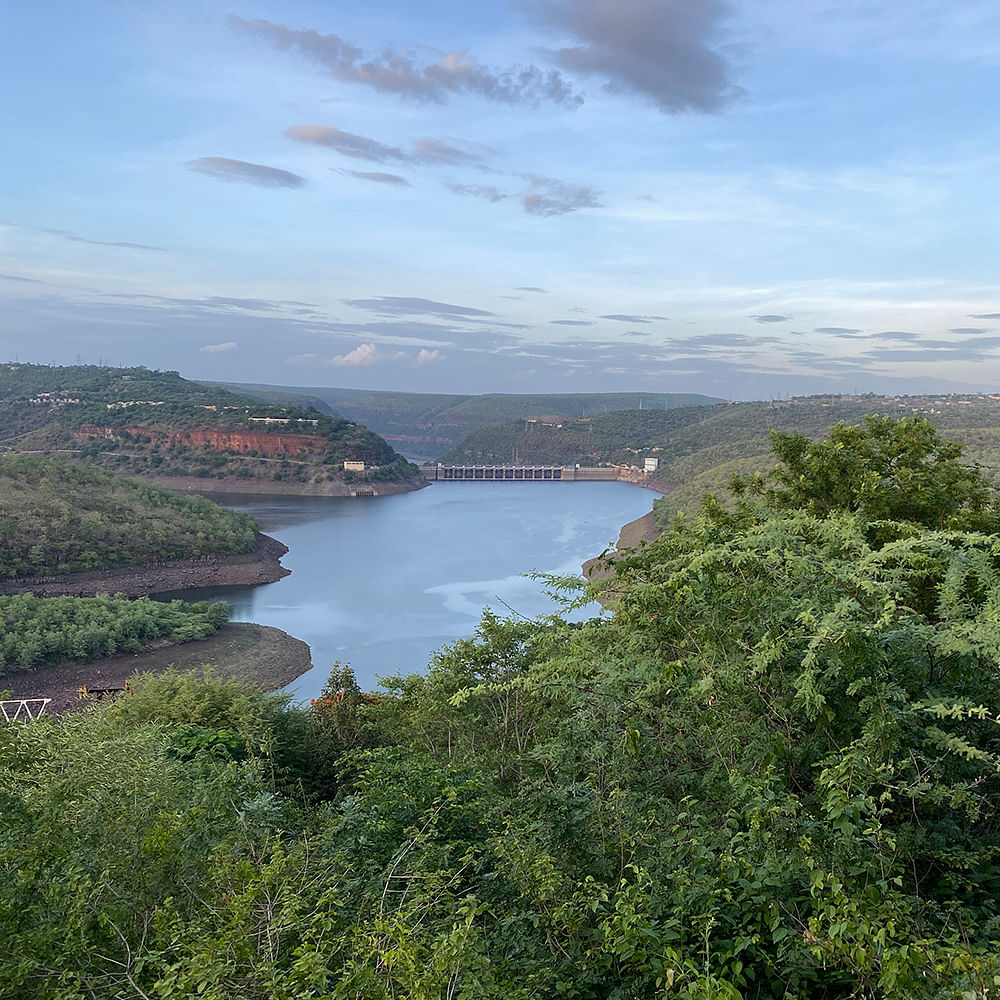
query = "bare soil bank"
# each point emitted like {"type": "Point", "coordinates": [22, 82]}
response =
{"type": "Point", "coordinates": [258, 654]}
{"type": "Point", "coordinates": [270, 487]}
{"type": "Point", "coordinates": [260, 566]}
{"type": "Point", "coordinates": [642, 529]}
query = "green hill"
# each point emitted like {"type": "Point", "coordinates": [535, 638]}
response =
{"type": "Point", "coordinates": [159, 425]}
{"type": "Point", "coordinates": [429, 425]}
{"type": "Point", "coordinates": [56, 519]}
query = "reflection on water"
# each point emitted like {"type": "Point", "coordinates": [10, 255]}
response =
{"type": "Point", "coordinates": [381, 584]}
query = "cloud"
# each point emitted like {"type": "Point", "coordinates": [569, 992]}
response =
{"type": "Point", "coordinates": [229, 345]}
{"type": "Point", "coordinates": [396, 305]}
{"type": "Point", "coordinates": [486, 191]}
{"type": "Point", "coordinates": [346, 143]}
{"type": "Point", "coordinates": [629, 318]}
{"type": "Point", "coordinates": [395, 72]}
{"type": "Point", "coordinates": [985, 315]}
{"type": "Point", "coordinates": [438, 152]}
{"type": "Point", "coordinates": [374, 175]}
{"type": "Point", "coordinates": [571, 322]}
{"type": "Point", "coordinates": [768, 318]}
{"type": "Point", "coordinates": [968, 331]}
{"type": "Point", "coordinates": [425, 357]}
{"type": "Point", "coordinates": [904, 335]}
{"type": "Point", "coordinates": [662, 50]}
{"type": "Point", "coordinates": [531, 288]}
{"type": "Point", "coordinates": [838, 331]}
{"type": "Point", "coordinates": [361, 357]}
{"type": "Point", "coordinates": [547, 196]}
{"type": "Point", "coordinates": [65, 234]}
{"type": "Point", "coordinates": [18, 277]}
{"type": "Point", "coordinates": [224, 169]}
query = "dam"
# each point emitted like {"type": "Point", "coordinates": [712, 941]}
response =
{"type": "Point", "coordinates": [521, 473]}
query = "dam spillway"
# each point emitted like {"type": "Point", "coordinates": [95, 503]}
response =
{"type": "Point", "coordinates": [518, 473]}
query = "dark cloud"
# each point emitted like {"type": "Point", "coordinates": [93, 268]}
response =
{"type": "Point", "coordinates": [531, 288]}
{"type": "Point", "coordinates": [838, 331]}
{"type": "Point", "coordinates": [18, 277]}
{"type": "Point", "coordinates": [630, 318]}
{"type": "Point", "coordinates": [663, 50]}
{"type": "Point", "coordinates": [396, 305]}
{"type": "Point", "coordinates": [638, 333]}
{"type": "Point", "coordinates": [767, 318]}
{"type": "Point", "coordinates": [968, 331]}
{"type": "Point", "coordinates": [547, 196]}
{"type": "Point", "coordinates": [374, 175]}
{"type": "Point", "coordinates": [896, 335]}
{"type": "Point", "coordinates": [571, 322]}
{"type": "Point", "coordinates": [396, 72]}
{"type": "Point", "coordinates": [985, 315]}
{"type": "Point", "coordinates": [359, 147]}
{"type": "Point", "coordinates": [224, 169]}
{"type": "Point", "coordinates": [485, 191]}
{"type": "Point", "coordinates": [65, 234]}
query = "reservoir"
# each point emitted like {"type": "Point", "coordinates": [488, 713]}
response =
{"type": "Point", "coordinates": [381, 584]}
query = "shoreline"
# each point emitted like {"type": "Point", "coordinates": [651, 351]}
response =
{"type": "Point", "coordinates": [242, 569]}
{"type": "Point", "coordinates": [270, 487]}
{"type": "Point", "coordinates": [642, 529]}
{"type": "Point", "coordinates": [257, 654]}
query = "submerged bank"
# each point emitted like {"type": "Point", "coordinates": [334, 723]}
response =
{"type": "Point", "coordinates": [279, 487]}
{"type": "Point", "coordinates": [258, 654]}
{"type": "Point", "coordinates": [263, 565]}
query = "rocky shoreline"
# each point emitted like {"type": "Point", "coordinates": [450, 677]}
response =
{"type": "Point", "coordinates": [260, 566]}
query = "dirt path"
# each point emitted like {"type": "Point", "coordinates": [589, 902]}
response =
{"type": "Point", "coordinates": [259, 654]}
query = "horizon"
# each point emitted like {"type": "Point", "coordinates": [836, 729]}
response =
{"type": "Point", "coordinates": [742, 201]}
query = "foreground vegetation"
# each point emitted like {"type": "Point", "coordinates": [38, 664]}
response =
{"type": "Point", "coordinates": [56, 518]}
{"type": "Point", "coordinates": [773, 772]}
{"type": "Point", "coordinates": [42, 631]}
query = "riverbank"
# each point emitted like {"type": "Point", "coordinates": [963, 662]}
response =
{"type": "Point", "coordinates": [642, 529]}
{"type": "Point", "coordinates": [258, 654]}
{"type": "Point", "coordinates": [278, 487]}
{"type": "Point", "coordinates": [263, 565]}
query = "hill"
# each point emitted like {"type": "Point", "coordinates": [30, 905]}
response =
{"type": "Point", "coordinates": [162, 427]}
{"type": "Point", "coordinates": [425, 425]}
{"type": "Point", "coordinates": [57, 519]}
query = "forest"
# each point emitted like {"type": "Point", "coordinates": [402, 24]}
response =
{"type": "Point", "coordinates": [770, 769]}
{"type": "Point", "coordinates": [43, 631]}
{"type": "Point", "coordinates": [57, 518]}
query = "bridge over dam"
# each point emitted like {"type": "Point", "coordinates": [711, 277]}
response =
{"type": "Point", "coordinates": [524, 473]}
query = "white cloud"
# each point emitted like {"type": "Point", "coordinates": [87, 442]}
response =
{"type": "Point", "coordinates": [426, 357]}
{"type": "Point", "coordinates": [362, 356]}
{"type": "Point", "coordinates": [229, 345]}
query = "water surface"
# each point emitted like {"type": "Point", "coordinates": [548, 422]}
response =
{"type": "Point", "coordinates": [382, 583]}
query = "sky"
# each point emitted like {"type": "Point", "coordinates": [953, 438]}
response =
{"type": "Point", "coordinates": [748, 199]}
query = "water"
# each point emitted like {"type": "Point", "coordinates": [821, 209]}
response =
{"type": "Point", "coordinates": [383, 583]}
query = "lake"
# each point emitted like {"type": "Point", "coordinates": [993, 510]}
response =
{"type": "Point", "coordinates": [382, 583]}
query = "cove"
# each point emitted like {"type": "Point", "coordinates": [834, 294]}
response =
{"type": "Point", "coordinates": [383, 583]}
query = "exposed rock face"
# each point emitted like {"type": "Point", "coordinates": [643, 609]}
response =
{"type": "Point", "coordinates": [276, 444]}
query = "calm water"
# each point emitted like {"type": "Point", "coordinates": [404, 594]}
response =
{"type": "Point", "coordinates": [383, 583]}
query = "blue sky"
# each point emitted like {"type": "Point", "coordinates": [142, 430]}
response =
{"type": "Point", "coordinates": [742, 199]}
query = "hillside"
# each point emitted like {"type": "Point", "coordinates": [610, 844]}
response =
{"type": "Point", "coordinates": [425, 425]}
{"type": "Point", "coordinates": [57, 519]}
{"type": "Point", "coordinates": [160, 426]}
